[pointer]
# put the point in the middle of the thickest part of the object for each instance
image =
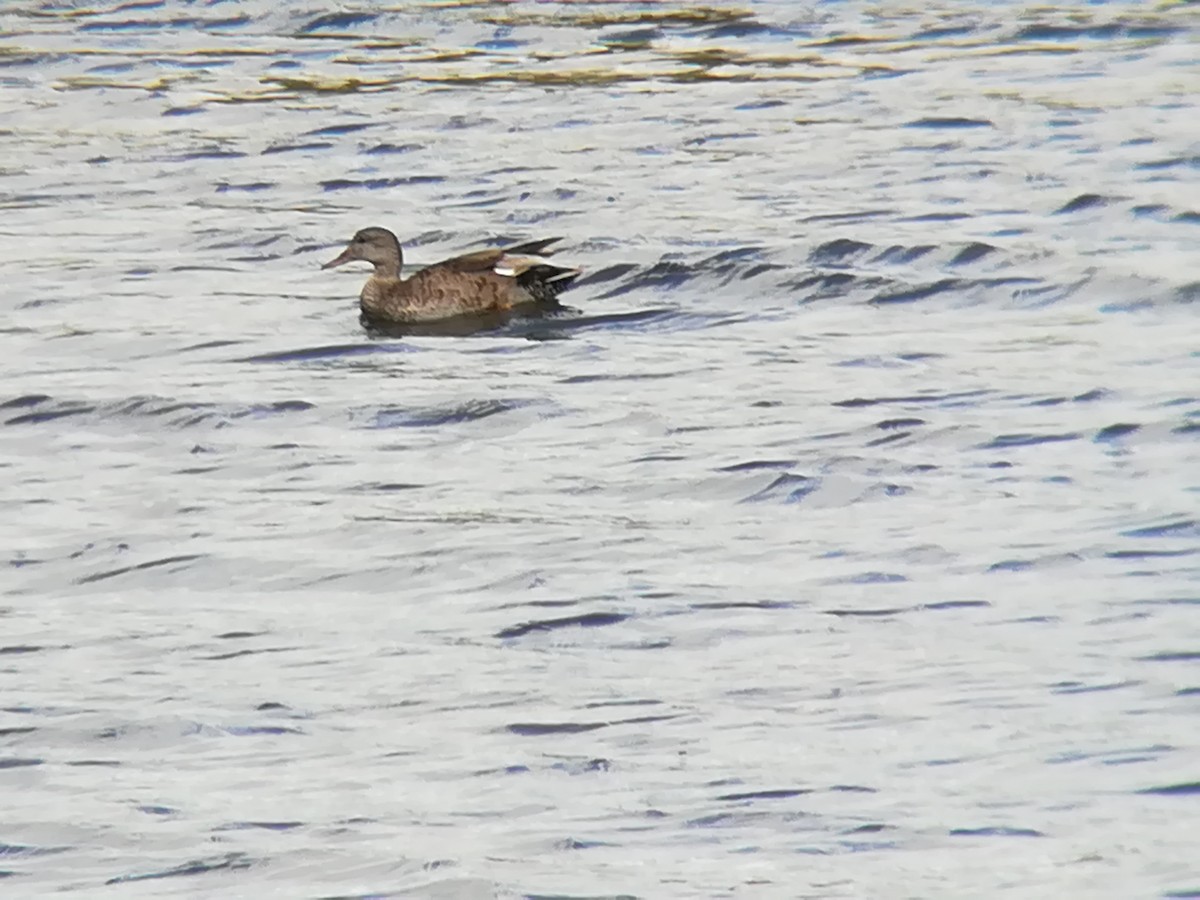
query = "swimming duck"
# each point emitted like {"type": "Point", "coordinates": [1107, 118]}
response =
{"type": "Point", "coordinates": [486, 281]}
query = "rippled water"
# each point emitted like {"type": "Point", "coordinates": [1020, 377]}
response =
{"type": "Point", "coordinates": [841, 543]}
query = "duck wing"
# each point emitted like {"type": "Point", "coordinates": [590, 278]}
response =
{"type": "Point", "coordinates": [488, 260]}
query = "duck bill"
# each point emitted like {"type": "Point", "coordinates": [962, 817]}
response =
{"type": "Point", "coordinates": [343, 257]}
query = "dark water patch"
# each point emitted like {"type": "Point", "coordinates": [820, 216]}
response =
{"type": "Point", "coordinates": [385, 487]}
{"type": "Point", "coordinates": [49, 415]}
{"type": "Point", "coordinates": [908, 295]}
{"type": "Point", "coordinates": [787, 488]}
{"type": "Point", "coordinates": [1085, 201]}
{"type": "Point", "coordinates": [1113, 757]}
{"type": "Point", "coordinates": [867, 613]}
{"type": "Point", "coordinates": [971, 253]}
{"type": "Point", "coordinates": [1104, 31]}
{"type": "Point", "coordinates": [140, 567]}
{"type": "Point", "coordinates": [1091, 396]}
{"type": "Point", "coordinates": [292, 148]}
{"type": "Point", "coordinates": [1006, 441]}
{"type": "Point", "coordinates": [561, 328]}
{"type": "Point", "coordinates": [248, 187]}
{"type": "Point", "coordinates": [208, 345]}
{"type": "Point", "coordinates": [704, 139]}
{"type": "Point", "coordinates": [617, 376]}
{"type": "Point", "coordinates": [260, 730]}
{"type": "Point", "coordinates": [748, 27]}
{"type": "Point", "coordinates": [1078, 687]}
{"type": "Point", "coordinates": [608, 273]}
{"type": "Point", "coordinates": [955, 604]}
{"type": "Point", "coordinates": [1113, 432]}
{"type": "Point", "coordinates": [733, 255]}
{"type": "Point", "coordinates": [24, 401]}
{"type": "Point", "coordinates": [631, 39]}
{"type": "Point", "coordinates": [1148, 210]}
{"type": "Point", "coordinates": [827, 285]}
{"type": "Point", "coordinates": [375, 184]}
{"type": "Point", "coordinates": [663, 274]}
{"type": "Point", "coordinates": [259, 826]}
{"type": "Point", "coordinates": [837, 251]}
{"type": "Point", "coordinates": [153, 810]}
{"type": "Point", "coordinates": [1184, 789]}
{"type": "Point", "coordinates": [952, 399]}
{"type": "Point", "coordinates": [586, 620]}
{"type": "Point", "coordinates": [235, 654]}
{"type": "Point", "coordinates": [892, 424]}
{"type": "Point", "coordinates": [935, 32]}
{"type": "Point", "coordinates": [772, 794]}
{"type": "Point", "coordinates": [385, 148]}
{"type": "Point", "coordinates": [18, 762]}
{"type": "Point", "coordinates": [18, 649]}
{"type": "Point", "coordinates": [7, 850]}
{"type": "Point", "coordinates": [1149, 554]}
{"type": "Point", "coordinates": [13, 732]}
{"type": "Point", "coordinates": [469, 411]}
{"type": "Point", "coordinates": [759, 104]}
{"type": "Point", "coordinates": [1171, 656]}
{"type": "Point", "coordinates": [338, 21]}
{"type": "Point", "coordinates": [1169, 601]}
{"type": "Point", "coordinates": [228, 862]}
{"type": "Point", "coordinates": [331, 351]}
{"type": "Point", "coordinates": [883, 612]}
{"type": "Point", "coordinates": [1177, 528]}
{"type": "Point", "coordinates": [937, 217]}
{"type": "Point", "coordinates": [634, 701]}
{"type": "Point", "coordinates": [755, 465]}
{"type": "Point", "coordinates": [213, 153]}
{"type": "Point", "coordinates": [183, 110]}
{"type": "Point", "coordinates": [461, 123]}
{"type": "Point", "coordinates": [857, 216]}
{"type": "Point", "coordinates": [902, 255]}
{"type": "Point", "coordinates": [140, 24]}
{"type": "Point", "coordinates": [765, 605]}
{"type": "Point", "coordinates": [949, 122]}
{"type": "Point", "coordinates": [870, 828]}
{"type": "Point", "coordinates": [868, 578]}
{"type": "Point", "coordinates": [347, 128]}
{"type": "Point", "coordinates": [542, 729]}
{"type": "Point", "coordinates": [995, 831]}
{"type": "Point", "coordinates": [110, 69]}
{"type": "Point", "coordinates": [1186, 162]}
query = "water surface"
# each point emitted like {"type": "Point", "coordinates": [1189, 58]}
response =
{"type": "Point", "coordinates": [841, 542]}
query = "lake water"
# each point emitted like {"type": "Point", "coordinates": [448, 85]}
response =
{"type": "Point", "coordinates": [842, 542]}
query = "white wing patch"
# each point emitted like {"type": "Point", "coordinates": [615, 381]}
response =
{"type": "Point", "coordinates": [512, 266]}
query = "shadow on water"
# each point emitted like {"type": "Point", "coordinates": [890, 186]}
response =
{"type": "Point", "coordinates": [557, 326]}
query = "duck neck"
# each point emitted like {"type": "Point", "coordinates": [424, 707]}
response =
{"type": "Point", "coordinates": [390, 267]}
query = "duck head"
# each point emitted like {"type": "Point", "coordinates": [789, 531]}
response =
{"type": "Point", "coordinates": [378, 246]}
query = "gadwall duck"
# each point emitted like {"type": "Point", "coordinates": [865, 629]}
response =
{"type": "Point", "coordinates": [488, 281]}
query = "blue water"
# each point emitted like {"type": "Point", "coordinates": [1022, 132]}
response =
{"type": "Point", "coordinates": [841, 540]}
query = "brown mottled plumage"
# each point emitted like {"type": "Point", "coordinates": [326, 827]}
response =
{"type": "Point", "coordinates": [487, 281]}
